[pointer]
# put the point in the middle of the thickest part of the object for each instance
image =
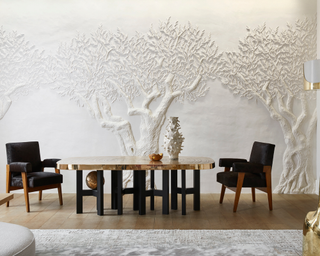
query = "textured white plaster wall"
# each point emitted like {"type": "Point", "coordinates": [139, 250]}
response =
{"type": "Point", "coordinates": [317, 152]}
{"type": "Point", "coordinates": [218, 125]}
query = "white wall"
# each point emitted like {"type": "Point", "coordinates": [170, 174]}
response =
{"type": "Point", "coordinates": [218, 125]}
{"type": "Point", "coordinates": [318, 101]}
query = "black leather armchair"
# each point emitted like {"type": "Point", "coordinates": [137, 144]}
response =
{"type": "Point", "coordinates": [25, 170]}
{"type": "Point", "coordinates": [255, 173]}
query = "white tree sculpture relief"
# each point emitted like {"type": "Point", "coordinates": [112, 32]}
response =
{"type": "Point", "coordinates": [21, 68]}
{"type": "Point", "coordinates": [172, 63]}
{"type": "Point", "coordinates": [268, 67]}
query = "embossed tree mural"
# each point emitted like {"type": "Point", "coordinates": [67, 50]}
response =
{"type": "Point", "coordinates": [172, 63]}
{"type": "Point", "coordinates": [21, 68]}
{"type": "Point", "coordinates": [268, 68]}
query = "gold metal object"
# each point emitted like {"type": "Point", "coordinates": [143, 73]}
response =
{"type": "Point", "coordinates": [91, 180]}
{"type": "Point", "coordinates": [311, 229]}
{"type": "Point", "coordinates": [156, 157]}
{"type": "Point", "coordinates": [310, 86]}
{"type": "Point", "coordinates": [312, 81]}
{"type": "Point", "coordinates": [311, 233]}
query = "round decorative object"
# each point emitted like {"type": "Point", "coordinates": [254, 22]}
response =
{"type": "Point", "coordinates": [91, 180]}
{"type": "Point", "coordinates": [156, 157]}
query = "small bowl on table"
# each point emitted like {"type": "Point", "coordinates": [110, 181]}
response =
{"type": "Point", "coordinates": [156, 157]}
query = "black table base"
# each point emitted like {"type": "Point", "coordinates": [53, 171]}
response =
{"type": "Point", "coordinates": [139, 191]}
{"type": "Point", "coordinates": [98, 193]}
{"type": "Point", "coordinates": [175, 190]}
{"type": "Point", "coordinates": [164, 193]}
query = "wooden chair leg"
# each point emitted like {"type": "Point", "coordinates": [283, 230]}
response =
{"type": "Point", "coordinates": [40, 191]}
{"type": "Point", "coordinates": [60, 195]}
{"type": "Point", "coordinates": [269, 193]}
{"type": "Point", "coordinates": [267, 170]}
{"type": "Point", "coordinates": [8, 177]}
{"type": "Point", "coordinates": [270, 198]}
{"type": "Point", "coordinates": [238, 191]}
{"type": "Point", "coordinates": [253, 190]}
{"type": "Point", "coordinates": [25, 188]}
{"type": "Point", "coordinates": [223, 189]}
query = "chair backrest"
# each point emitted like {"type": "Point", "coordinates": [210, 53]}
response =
{"type": "Point", "coordinates": [25, 152]}
{"type": "Point", "coordinates": [262, 153]}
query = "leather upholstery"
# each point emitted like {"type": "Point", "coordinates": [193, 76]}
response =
{"type": "Point", "coordinates": [228, 162]}
{"type": "Point", "coordinates": [50, 162]}
{"type": "Point", "coordinates": [247, 167]}
{"type": "Point", "coordinates": [25, 152]}
{"type": "Point", "coordinates": [255, 174]}
{"type": "Point", "coordinates": [261, 155]}
{"type": "Point", "coordinates": [37, 179]}
{"type": "Point", "coordinates": [25, 157]}
{"type": "Point", "coordinates": [20, 167]}
{"type": "Point", "coordinates": [230, 179]}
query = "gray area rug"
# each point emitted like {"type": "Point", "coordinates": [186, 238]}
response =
{"type": "Point", "coordinates": [90, 242]}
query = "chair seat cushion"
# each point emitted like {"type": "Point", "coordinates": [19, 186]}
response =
{"type": "Point", "coordinates": [230, 179]}
{"type": "Point", "coordinates": [37, 179]}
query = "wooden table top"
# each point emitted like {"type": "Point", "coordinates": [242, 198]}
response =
{"type": "Point", "coordinates": [135, 163]}
{"type": "Point", "coordinates": [5, 197]}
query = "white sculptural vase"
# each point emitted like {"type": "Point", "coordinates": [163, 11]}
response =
{"type": "Point", "coordinates": [173, 138]}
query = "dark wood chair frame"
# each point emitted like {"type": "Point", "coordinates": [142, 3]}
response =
{"type": "Point", "coordinates": [237, 190]}
{"type": "Point", "coordinates": [27, 189]}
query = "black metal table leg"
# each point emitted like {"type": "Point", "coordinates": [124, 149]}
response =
{"type": "Point", "coordinates": [100, 192]}
{"type": "Point", "coordinates": [79, 192]}
{"type": "Point", "coordinates": [174, 185]}
{"type": "Point", "coordinates": [196, 186]}
{"type": "Point", "coordinates": [152, 189]}
{"type": "Point", "coordinates": [165, 192]}
{"type": "Point", "coordinates": [183, 192]}
{"type": "Point", "coordinates": [142, 192]}
{"type": "Point", "coordinates": [114, 184]}
{"type": "Point", "coordinates": [119, 192]}
{"type": "Point", "coordinates": [136, 190]}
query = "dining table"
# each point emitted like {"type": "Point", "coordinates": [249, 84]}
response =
{"type": "Point", "coordinates": [139, 165]}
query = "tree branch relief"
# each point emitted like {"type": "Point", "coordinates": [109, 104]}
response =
{"type": "Point", "coordinates": [268, 68]}
{"type": "Point", "coordinates": [21, 68]}
{"type": "Point", "coordinates": [172, 63]}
